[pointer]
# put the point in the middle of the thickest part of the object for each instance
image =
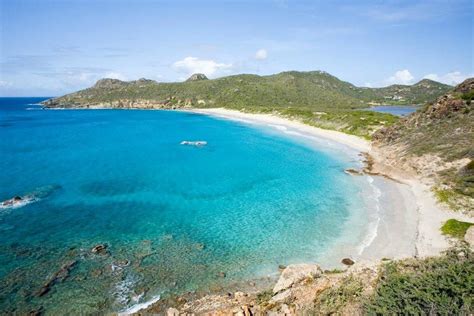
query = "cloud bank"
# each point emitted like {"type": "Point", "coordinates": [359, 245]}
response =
{"type": "Point", "coordinates": [209, 67]}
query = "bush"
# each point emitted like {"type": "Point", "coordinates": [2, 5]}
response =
{"type": "Point", "coordinates": [455, 228]}
{"type": "Point", "coordinates": [434, 286]}
{"type": "Point", "coordinates": [334, 299]}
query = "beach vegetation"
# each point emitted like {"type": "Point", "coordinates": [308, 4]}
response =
{"type": "Point", "coordinates": [441, 285]}
{"type": "Point", "coordinates": [334, 299]}
{"type": "Point", "coordinates": [455, 228]}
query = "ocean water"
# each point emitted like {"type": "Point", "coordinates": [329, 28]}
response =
{"type": "Point", "coordinates": [175, 218]}
{"type": "Point", "coordinates": [395, 110]}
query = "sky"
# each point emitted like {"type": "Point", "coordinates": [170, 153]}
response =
{"type": "Point", "coordinates": [49, 48]}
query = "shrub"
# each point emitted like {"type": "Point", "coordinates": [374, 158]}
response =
{"type": "Point", "coordinates": [435, 286]}
{"type": "Point", "coordinates": [455, 228]}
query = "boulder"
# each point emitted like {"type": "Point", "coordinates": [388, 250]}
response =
{"type": "Point", "coordinates": [99, 249]}
{"type": "Point", "coordinates": [281, 297]}
{"type": "Point", "coordinates": [348, 261]}
{"type": "Point", "coordinates": [296, 273]}
{"type": "Point", "coordinates": [172, 312]}
{"type": "Point", "coordinates": [469, 236]}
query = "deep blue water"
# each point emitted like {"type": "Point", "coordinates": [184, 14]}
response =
{"type": "Point", "coordinates": [395, 110]}
{"type": "Point", "coordinates": [252, 199]}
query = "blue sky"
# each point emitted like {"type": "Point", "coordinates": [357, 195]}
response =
{"type": "Point", "coordinates": [50, 47]}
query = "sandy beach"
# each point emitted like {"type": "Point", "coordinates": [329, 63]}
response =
{"type": "Point", "coordinates": [409, 216]}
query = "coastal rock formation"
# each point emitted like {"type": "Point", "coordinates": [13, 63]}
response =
{"type": "Point", "coordinates": [59, 276]}
{"type": "Point", "coordinates": [296, 273]}
{"type": "Point", "coordinates": [301, 288]}
{"type": "Point", "coordinates": [436, 143]}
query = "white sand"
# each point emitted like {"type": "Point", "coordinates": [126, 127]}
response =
{"type": "Point", "coordinates": [410, 218]}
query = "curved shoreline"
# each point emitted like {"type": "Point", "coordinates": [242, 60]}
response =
{"type": "Point", "coordinates": [419, 204]}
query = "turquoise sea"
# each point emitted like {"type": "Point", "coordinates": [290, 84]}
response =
{"type": "Point", "coordinates": [174, 218]}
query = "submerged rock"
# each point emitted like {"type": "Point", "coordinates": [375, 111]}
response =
{"type": "Point", "coordinates": [59, 276]}
{"type": "Point", "coordinates": [200, 246]}
{"type": "Point", "coordinates": [353, 171]}
{"type": "Point", "coordinates": [100, 249]}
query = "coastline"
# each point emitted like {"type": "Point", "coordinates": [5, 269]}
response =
{"type": "Point", "coordinates": [407, 200]}
{"type": "Point", "coordinates": [415, 203]}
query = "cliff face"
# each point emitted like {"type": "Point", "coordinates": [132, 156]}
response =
{"type": "Point", "coordinates": [438, 143]}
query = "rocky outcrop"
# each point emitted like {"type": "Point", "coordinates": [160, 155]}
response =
{"type": "Point", "coordinates": [59, 276]}
{"type": "Point", "coordinates": [469, 236]}
{"type": "Point", "coordinates": [436, 144]}
{"type": "Point", "coordinates": [295, 273]}
{"type": "Point", "coordinates": [197, 77]}
{"type": "Point", "coordinates": [108, 83]}
{"type": "Point", "coordinates": [298, 289]}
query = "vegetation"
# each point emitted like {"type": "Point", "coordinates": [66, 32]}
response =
{"type": "Point", "coordinates": [435, 286]}
{"type": "Point", "coordinates": [334, 299]}
{"type": "Point", "coordinates": [313, 90]}
{"type": "Point", "coordinates": [455, 228]}
{"type": "Point", "coordinates": [315, 97]}
{"type": "Point", "coordinates": [443, 134]}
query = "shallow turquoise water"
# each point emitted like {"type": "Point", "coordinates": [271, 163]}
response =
{"type": "Point", "coordinates": [251, 199]}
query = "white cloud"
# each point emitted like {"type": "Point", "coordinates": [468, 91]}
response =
{"type": "Point", "coordinates": [115, 75]}
{"type": "Point", "coordinates": [401, 77]}
{"type": "Point", "coordinates": [4, 84]}
{"type": "Point", "coordinates": [191, 65]}
{"type": "Point", "coordinates": [368, 85]}
{"type": "Point", "coordinates": [452, 78]}
{"type": "Point", "coordinates": [261, 54]}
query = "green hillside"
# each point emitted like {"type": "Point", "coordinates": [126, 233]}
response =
{"type": "Point", "coordinates": [314, 89]}
{"type": "Point", "coordinates": [443, 129]}
{"type": "Point", "coordinates": [315, 97]}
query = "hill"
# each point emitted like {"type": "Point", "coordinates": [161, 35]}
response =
{"type": "Point", "coordinates": [313, 90]}
{"type": "Point", "coordinates": [316, 97]}
{"type": "Point", "coordinates": [438, 142]}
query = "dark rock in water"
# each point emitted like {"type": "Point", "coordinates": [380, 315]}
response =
{"type": "Point", "coordinates": [122, 263]}
{"type": "Point", "coordinates": [200, 246]}
{"type": "Point", "coordinates": [17, 198]}
{"type": "Point", "coordinates": [222, 274]}
{"type": "Point", "coordinates": [100, 249]}
{"type": "Point", "coordinates": [353, 171]}
{"type": "Point", "coordinates": [96, 273]}
{"type": "Point", "coordinates": [281, 267]}
{"type": "Point", "coordinates": [347, 261]}
{"type": "Point", "coordinates": [36, 312]}
{"type": "Point", "coordinates": [59, 276]}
